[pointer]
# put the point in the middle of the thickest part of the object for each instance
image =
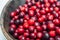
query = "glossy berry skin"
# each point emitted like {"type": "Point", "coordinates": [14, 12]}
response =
{"type": "Point", "coordinates": [31, 12]}
{"type": "Point", "coordinates": [31, 28]}
{"type": "Point", "coordinates": [51, 26]}
{"type": "Point", "coordinates": [39, 35]}
{"type": "Point", "coordinates": [39, 28]}
{"type": "Point", "coordinates": [26, 34]}
{"type": "Point", "coordinates": [11, 30]}
{"type": "Point", "coordinates": [26, 25]}
{"type": "Point", "coordinates": [20, 30]}
{"type": "Point", "coordinates": [52, 33]}
{"type": "Point", "coordinates": [16, 35]}
{"type": "Point", "coordinates": [13, 14]}
{"type": "Point", "coordinates": [56, 21]}
{"type": "Point", "coordinates": [58, 30]}
{"type": "Point", "coordinates": [33, 35]}
{"type": "Point", "coordinates": [50, 17]}
{"type": "Point", "coordinates": [31, 22]}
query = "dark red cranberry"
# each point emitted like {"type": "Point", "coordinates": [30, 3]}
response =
{"type": "Point", "coordinates": [11, 30]}
{"type": "Point", "coordinates": [21, 14]}
{"type": "Point", "coordinates": [45, 36]}
{"type": "Point", "coordinates": [16, 35]}
{"type": "Point", "coordinates": [21, 20]}
{"type": "Point", "coordinates": [17, 22]}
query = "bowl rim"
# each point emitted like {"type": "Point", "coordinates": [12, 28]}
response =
{"type": "Point", "coordinates": [2, 21]}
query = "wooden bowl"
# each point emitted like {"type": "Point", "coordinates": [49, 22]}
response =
{"type": "Point", "coordinates": [5, 16]}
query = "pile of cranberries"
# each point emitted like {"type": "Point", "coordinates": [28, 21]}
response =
{"type": "Point", "coordinates": [36, 20]}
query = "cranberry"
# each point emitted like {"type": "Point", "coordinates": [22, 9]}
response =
{"type": "Point", "coordinates": [11, 30]}
{"type": "Point", "coordinates": [39, 35]}
{"type": "Point", "coordinates": [26, 34]}
{"type": "Point", "coordinates": [50, 17]}
{"type": "Point", "coordinates": [26, 25]}
{"type": "Point", "coordinates": [13, 14]}
{"type": "Point", "coordinates": [16, 35]}
{"type": "Point", "coordinates": [31, 21]}
{"type": "Point", "coordinates": [31, 12]}
{"type": "Point", "coordinates": [51, 26]}
{"type": "Point", "coordinates": [52, 33]}
{"type": "Point", "coordinates": [33, 35]}
{"type": "Point", "coordinates": [31, 28]}
{"type": "Point", "coordinates": [20, 30]}
{"type": "Point", "coordinates": [56, 21]}
{"type": "Point", "coordinates": [58, 30]}
{"type": "Point", "coordinates": [39, 28]}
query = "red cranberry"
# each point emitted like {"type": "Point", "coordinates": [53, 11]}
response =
{"type": "Point", "coordinates": [52, 33]}
{"type": "Point", "coordinates": [38, 4]}
{"type": "Point", "coordinates": [39, 28]}
{"type": "Point", "coordinates": [58, 30]}
{"type": "Point", "coordinates": [51, 26]}
{"type": "Point", "coordinates": [47, 4]}
{"type": "Point", "coordinates": [31, 12]}
{"type": "Point", "coordinates": [31, 28]}
{"type": "Point", "coordinates": [33, 35]}
{"type": "Point", "coordinates": [26, 25]}
{"type": "Point", "coordinates": [26, 17]}
{"type": "Point", "coordinates": [15, 35]}
{"type": "Point", "coordinates": [56, 21]}
{"type": "Point", "coordinates": [21, 14]}
{"type": "Point", "coordinates": [31, 21]}
{"type": "Point", "coordinates": [50, 17]}
{"type": "Point", "coordinates": [21, 37]}
{"type": "Point", "coordinates": [11, 30]}
{"type": "Point", "coordinates": [39, 35]}
{"type": "Point", "coordinates": [13, 14]}
{"type": "Point", "coordinates": [26, 34]}
{"type": "Point", "coordinates": [20, 30]}
{"type": "Point", "coordinates": [20, 26]}
{"type": "Point", "coordinates": [43, 12]}
{"type": "Point", "coordinates": [41, 19]}
{"type": "Point", "coordinates": [36, 24]}
{"type": "Point", "coordinates": [13, 26]}
{"type": "Point", "coordinates": [33, 8]}
{"type": "Point", "coordinates": [56, 9]}
{"type": "Point", "coordinates": [44, 26]}
{"type": "Point", "coordinates": [51, 1]}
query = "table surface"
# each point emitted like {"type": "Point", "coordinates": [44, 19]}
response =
{"type": "Point", "coordinates": [2, 4]}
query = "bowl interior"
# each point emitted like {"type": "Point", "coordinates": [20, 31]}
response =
{"type": "Point", "coordinates": [6, 15]}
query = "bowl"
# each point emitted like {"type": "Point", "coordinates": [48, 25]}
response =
{"type": "Point", "coordinates": [5, 16]}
